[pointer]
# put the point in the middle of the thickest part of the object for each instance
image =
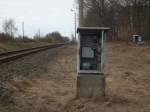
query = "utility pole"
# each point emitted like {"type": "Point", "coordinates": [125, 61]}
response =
{"type": "Point", "coordinates": [148, 17]}
{"type": "Point", "coordinates": [23, 30]}
{"type": "Point", "coordinates": [75, 16]}
{"type": "Point", "coordinates": [39, 32]}
{"type": "Point", "coordinates": [81, 12]}
{"type": "Point", "coordinates": [11, 34]}
{"type": "Point", "coordinates": [75, 22]}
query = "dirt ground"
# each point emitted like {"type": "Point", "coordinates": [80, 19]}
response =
{"type": "Point", "coordinates": [127, 78]}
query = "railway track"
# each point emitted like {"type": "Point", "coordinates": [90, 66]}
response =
{"type": "Point", "coordinates": [13, 55]}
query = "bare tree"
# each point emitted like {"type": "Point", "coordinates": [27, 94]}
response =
{"type": "Point", "coordinates": [81, 16]}
{"type": "Point", "coordinates": [125, 17]}
{"type": "Point", "coordinates": [9, 27]}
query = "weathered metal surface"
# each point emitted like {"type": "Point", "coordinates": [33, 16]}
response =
{"type": "Point", "coordinates": [91, 49]}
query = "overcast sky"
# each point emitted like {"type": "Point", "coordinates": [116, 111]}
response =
{"type": "Point", "coordinates": [46, 15]}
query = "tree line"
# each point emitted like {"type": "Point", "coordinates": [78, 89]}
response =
{"type": "Point", "coordinates": [125, 17]}
{"type": "Point", "coordinates": [10, 31]}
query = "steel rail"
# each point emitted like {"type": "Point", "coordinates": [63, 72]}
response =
{"type": "Point", "coordinates": [10, 56]}
{"type": "Point", "coordinates": [19, 51]}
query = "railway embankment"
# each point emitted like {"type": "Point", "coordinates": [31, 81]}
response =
{"type": "Point", "coordinates": [11, 46]}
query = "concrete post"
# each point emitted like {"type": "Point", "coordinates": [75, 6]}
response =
{"type": "Point", "coordinates": [91, 85]}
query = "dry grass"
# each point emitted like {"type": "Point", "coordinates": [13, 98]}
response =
{"type": "Point", "coordinates": [128, 83]}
